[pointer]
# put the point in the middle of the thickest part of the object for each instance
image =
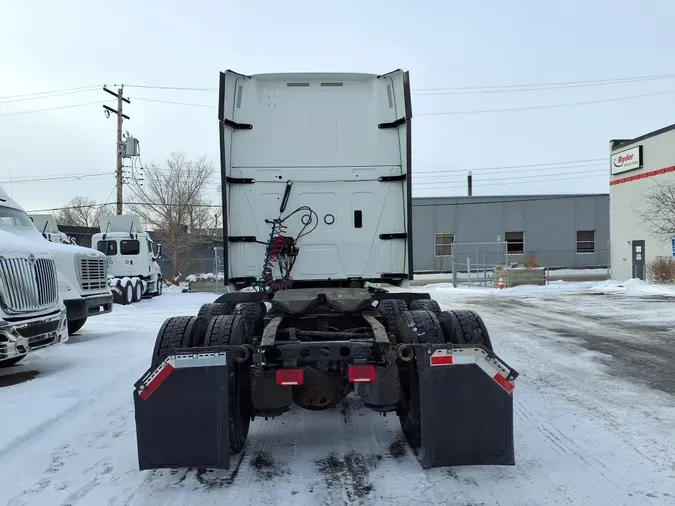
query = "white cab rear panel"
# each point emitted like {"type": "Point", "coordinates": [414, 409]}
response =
{"type": "Point", "coordinates": [325, 133]}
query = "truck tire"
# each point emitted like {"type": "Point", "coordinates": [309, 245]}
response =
{"type": "Point", "coordinates": [179, 332]}
{"type": "Point", "coordinates": [425, 305]}
{"type": "Point", "coordinates": [210, 311]}
{"type": "Point", "coordinates": [11, 361]}
{"type": "Point", "coordinates": [158, 288]}
{"type": "Point", "coordinates": [75, 325]}
{"type": "Point", "coordinates": [253, 314]}
{"type": "Point", "coordinates": [137, 286]}
{"type": "Point", "coordinates": [391, 310]}
{"type": "Point", "coordinates": [127, 294]}
{"type": "Point", "coordinates": [231, 330]}
{"type": "Point", "coordinates": [464, 327]}
{"type": "Point", "coordinates": [419, 326]}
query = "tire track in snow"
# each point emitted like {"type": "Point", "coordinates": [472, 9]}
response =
{"type": "Point", "coordinates": [566, 446]}
{"type": "Point", "coordinates": [29, 437]}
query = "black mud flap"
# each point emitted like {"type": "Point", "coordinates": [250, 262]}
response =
{"type": "Point", "coordinates": [466, 408]}
{"type": "Point", "coordinates": [182, 411]}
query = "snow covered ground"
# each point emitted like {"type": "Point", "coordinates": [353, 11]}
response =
{"type": "Point", "coordinates": [594, 416]}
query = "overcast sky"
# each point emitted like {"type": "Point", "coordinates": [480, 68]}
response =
{"type": "Point", "coordinates": [47, 45]}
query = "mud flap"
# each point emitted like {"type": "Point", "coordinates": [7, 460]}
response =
{"type": "Point", "coordinates": [182, 411]}
{"type": "Point", "coordinates": [466, 408]}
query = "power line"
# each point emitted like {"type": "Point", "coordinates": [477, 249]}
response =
{"type": "Point", "coordinates": [95, 206]}
{"type": "Point", "coordinates": [51, 95]}
{"type": "Point", "coordinates": [174, 88]}
{"type": "Point", "coordinates": [543, 86]}
{"type": "Point", "coordinates": [500, 170]}
{"type": "Point", "coordinates": [509, 181]}
{"type": "Point", "coordinates": [59, 178]}
{"type": "Point", "coordinates": [549, 106]}
{"type": "Point", "coordinates": [497, 199]}
{"type": "Point", "coordinates": [520, 179]}
{"type": "Point", "coordinates": [473, 201]}
{"type": "Point", "coordinates": [437, 113]}
{"type": "Point", "coordinates": [51, 108]}
{"type": "Point", "coordinates": [473, 89]}
{"type": "Point", "coordinates": [172, 102]}
{"type": "Point", "coordinates": [474, 111]}
{"type": "Point", "coordinates": [66, 90]}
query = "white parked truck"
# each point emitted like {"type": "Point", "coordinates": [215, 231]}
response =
{"type": "Point", "coordinates": [83, 280]}
{"type": "Point", "coordinates": [47, 226]}
{"type": "Point", "coordinates": [316, 171]}
{"type": "Point", "coordinates": [32, 314]}
{"type": "Point", "coordinates": [133, 270]}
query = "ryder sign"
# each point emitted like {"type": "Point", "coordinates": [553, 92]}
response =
{"type": "Point", "coordinates": [630, 159]}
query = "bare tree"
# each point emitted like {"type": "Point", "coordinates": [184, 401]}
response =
{"type": "Point", "coordinates": [171, 200]}
{"type": "Point", "coordinates": [658, 213]}
{"type": "Point", "coordinates": [82, 212]}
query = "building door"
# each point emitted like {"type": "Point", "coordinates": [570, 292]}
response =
{"type": "Point", "coordinates": [638, 259]}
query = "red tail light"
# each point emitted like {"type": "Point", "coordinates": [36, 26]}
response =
{"type": "Point", "coordinates": [289, 377]}
{"type": "Point", "coordinates": [441, 360]}
{"type": "Point", "coordinates": [362, 373]}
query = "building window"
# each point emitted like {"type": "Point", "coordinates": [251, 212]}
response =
{"type": "Point", "coordinates": [586, 241]}
{"type": "Point", "coordinates": [515, 243]}
{"type": "Point", "coordinates": [443, 243]}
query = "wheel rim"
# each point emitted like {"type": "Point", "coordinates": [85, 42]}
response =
{"type": "Point", "coordinates": [139, 291]}
{"type": "Point", "coordinates": [129, 293]}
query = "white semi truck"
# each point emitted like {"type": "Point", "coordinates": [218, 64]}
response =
{"type": "Point", "coordinates": [82, 272]}
{"type": "Point", "coordinates": [313, 223]}
{"type": "Point", "coordinates": [32, 313]}
{"type": "Point", "coordinates": [49, 229]}
{"type": "Point", "coordinates": [133, 270]}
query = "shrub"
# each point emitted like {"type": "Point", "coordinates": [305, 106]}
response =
{"type": "Point", "coordinates": [530, 262]}
{"type": "Point", "coordinates": [662, 270]}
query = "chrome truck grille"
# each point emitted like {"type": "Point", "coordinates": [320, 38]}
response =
{"type": "Point", "coordinates": [28, 285]}
{"type": "Point", "coordinates": [93, 274]}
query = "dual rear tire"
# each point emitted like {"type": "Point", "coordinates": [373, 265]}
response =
{"type": "Point", "coordinates": [216, 325]}
{"type": "Point", "coordinates": [425, 323]}
{"type": "Point", "coordinates": [131, 291]}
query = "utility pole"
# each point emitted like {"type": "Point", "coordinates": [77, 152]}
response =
{"type": "Point", "coordinates": [120, 146]}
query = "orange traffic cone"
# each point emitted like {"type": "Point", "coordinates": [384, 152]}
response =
{"type": "Point", "coordinates": [501, 282]}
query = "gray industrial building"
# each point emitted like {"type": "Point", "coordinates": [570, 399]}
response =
{"type": "Point", "coordinates": [558, 231]}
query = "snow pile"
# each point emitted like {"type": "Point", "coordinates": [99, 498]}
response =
{"type": "Point", "coordinates": [174, 289]}
{"type": "Point", "coordinates": [205, 276]}
{"type": "Point", "coordinates": [634, 287]}
{"type": "Point", "coordinates": [559, 286]}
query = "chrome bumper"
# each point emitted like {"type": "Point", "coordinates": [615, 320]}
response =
{"type": "Point", "coordinates": [20, 338]}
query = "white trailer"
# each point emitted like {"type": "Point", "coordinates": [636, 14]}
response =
{"type": "Point", "coordinates": [133, 271]}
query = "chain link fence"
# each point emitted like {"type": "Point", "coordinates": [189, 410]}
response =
{"type": "Point", "coordinates": [475, 263]}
